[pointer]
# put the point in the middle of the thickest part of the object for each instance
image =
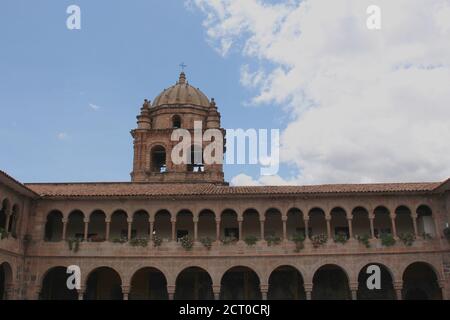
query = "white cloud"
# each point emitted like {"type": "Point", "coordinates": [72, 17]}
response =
{"type": "Point", "coordinates": [62, 136]}
{"type": "Point", "coordinates": [94, 107]}
{"type": "Point", "coordinates": [367, 105]}
{"type": "Point", "coordinates": [245, 180]}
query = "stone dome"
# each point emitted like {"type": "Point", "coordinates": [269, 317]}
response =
{"type": "Point", "coordinates": [181, 93]}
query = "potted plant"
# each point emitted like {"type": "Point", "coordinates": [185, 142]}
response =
{"type": "Point", "coordinates": [139, 242]}
{"type": "Point", "coordinates": [341, 238]}
{"type": "Point", "coordinates": [364, 239]}
{"type": "Point", "coordinates": [187, 243]}
{"type": "Point", "coordinates": [387, 240]}
{"type": "Point", "coordinates": [273, 240]}
{"type": "Point", "coordinates": [299, 239]}
{"type": "Point", "coordinates": [319, 240]}
{"type": "Point", "coordinates": [207, 242]}
{"type": "Point", "coordinates": [157, 241]}
{"type": "Point", "coordinates": [229, 240]}
{"type": "Point", "coordinates": [407, 238]}
{"type": "Point", "coordinates": [251, 240]}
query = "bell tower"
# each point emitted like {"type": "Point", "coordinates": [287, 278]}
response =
{"type": "Point", "coordinates": [179, 107]}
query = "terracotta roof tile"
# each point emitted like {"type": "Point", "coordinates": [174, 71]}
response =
{"type": "Point", "coordinates": [162, 190]}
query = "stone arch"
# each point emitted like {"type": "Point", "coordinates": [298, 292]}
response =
{"type": "Point", "coordinates": [53, 226]}
{"type": "Point", "coordinates": [54, 286]}
{"type": "Point", "coordinates": [361, 221]}
{"type": "Point", "coordinates": [97, 226]}
{"type": "Point", "coordinates": [251, 223]}
{"type": "Point", "coordinates": [229, 225]}
{"type": "Point", "coordinates": [331, 282]}
{"type": "Point", "coordinates": [273, 223]}
{"type": "Point", "coordinates": [4, 211]}
{"type": "Point", "coordinates": [148, 283]}
{"type": "Point", "coordinates": [158, 159]}
{"type": "Point", "coordinates": [421, 282]}
{"type": "Point", "coordinates": [185, 224]}
{"type": "Point", "coordinates": [75, 225]}
{"type": "Point", "coordinates": [103, 283]}
{"type": "Point", "coordinates": [194, 283]}
{"type": "Point", "coordinates": [286, 283]}
{"type": "Point", "coordinates": [425, 221]}
{"type": "Point", "coordinates": [295, 223]}
{"type": "Point", "coordinates": [382, 223]}
{"type": "Point", "coordinates": [140, 227]}
{"type": "Point", "coordinates": [404, 220]}
{"type": "Point", "coordinates": [339, 223]}
{"type": "Point", "coordinates": [6, 280]}
{"type": "Point", "coordinates": [119, 225]}
{"type": "Point", "coordinates": [240, 283]}
{"type": "Point", "coordinates": [207, 224]}
{"type": "Point", "coordinates": [317, 221]}
{"type": "Point", "coordinates": [386, 290]}
{"type": "Point", "coordinates": [13, 220]}
{"type": "Point", "coordinates": [163, 225]}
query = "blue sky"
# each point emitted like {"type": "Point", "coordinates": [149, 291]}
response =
{"type": "Point", "coordinates": [126, 51]}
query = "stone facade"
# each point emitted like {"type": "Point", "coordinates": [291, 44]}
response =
{"type": "Point", "coordinates": [131, 240]}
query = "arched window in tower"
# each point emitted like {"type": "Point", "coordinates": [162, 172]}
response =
{"type": "Point", "coordinates": [158, 160]}
{"type": "Point", "coordinates": [196, 163]}
{"type": "Point", "coordinates": [176, 122]}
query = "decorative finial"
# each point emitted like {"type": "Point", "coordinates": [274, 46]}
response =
{"type": "Point", "coordinates": [213, 102]}
{"type": "Point", "coordinates": [183, 66]}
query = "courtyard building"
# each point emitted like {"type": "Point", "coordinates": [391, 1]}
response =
{"type": "Point", "coordinates": [179, 231]}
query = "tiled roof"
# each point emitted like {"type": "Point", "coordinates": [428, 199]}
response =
{"type": "Point", "coordinates": [7, 179]}
{"type": "Point", "coordinates": [161, 190]}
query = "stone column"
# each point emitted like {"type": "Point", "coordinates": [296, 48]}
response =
{"type": "Point", "coordinates": [151, 223]}
{"type": "Point", "coordinates": [196, 229]}
{"type": "Point", "coordinates": [216, 291]}
{"type": "Point", "coordinates": [443, 289]}
{"type": "Point", "coordinates": [261, 226]}
{"type": "Point", "coordinates": [64, 230]}
{"type": "Point", "coordinates": [306, 222]}
{"type": "Point", "coordinates": [308, 290]}
{"type": "Point", "coordinates": [328, 220]}
{"type": "Point", "coordinates": [217, 229]}
{"type": "Point", "coordinates": [125, 292]}
{"type": "Point", "coordinates": [241, 234]}
{"type": "Point", "coordinates": [8, 217]}
{"type": "Point", "coordinates": [264, 290]}
{"type": "Point", "coordinates": [284, 219]}
{"type": "Point", "coordinates": [350, 226]}
{"type": "Point", "coordinates": [86, 228]}
{"type": "Point", "coordinates": [372, 229]}
{"type": "Point", "coordinates": [414, 220]}
{"type": "Point", "coordinates": [81, 293]}
{"type": "Point", "coordinates": [130, 223]}
{"type": "Point", "coordinates": [174, 228]}
{"type": "Point", "coordinates": [394, 227]}
{"type": "Point", "coordinates": [171, 291]}
{"type": "Point", "coordinates": [108, 229]}
{"type": "Point", "coordinates": [398, 286]}
{"type": "Point", "coordinates": [354, 290]}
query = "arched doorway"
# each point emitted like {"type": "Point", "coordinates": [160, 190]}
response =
{"type": "Point", "coordinates": [229, 225]}
{"type": "Point", "coordinates": [75, 225]}
{"type": "Point", "coordinates": [54, 226]}
{"type": "Point", "coordinates": [97, 226]}
{"type": "Point", "coordinates": [119, 226]}
{"type": "Point", "coordinates": [420, 283]}
{"type": "Point", "coordinates": [240, 283]}
{"type": "Point", "coordinates": [163, 225]}
{"type": "Point", "coordinates": [158, 160]}
{"type": "Point", "coordinates": [194, 284]}
{"type": "Point", "coordinates": [330, 282]}
{"type": "Point", "coordinates": [250, 224]}
{"type": "Point", "coordinates": [54, 285]}
{"type": "Point", "coordinates": [286, 283]}
{"type": "Point", "coordinates": [104, 284]}
{"type": "Point", "coordinates": [5, 280]}
{"type": "Point", "coordinates": [386, 291]}
{"type": "Point", "coordinates": [273, 224]}
{"type": "Point", "coordinates": [148, 284]}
